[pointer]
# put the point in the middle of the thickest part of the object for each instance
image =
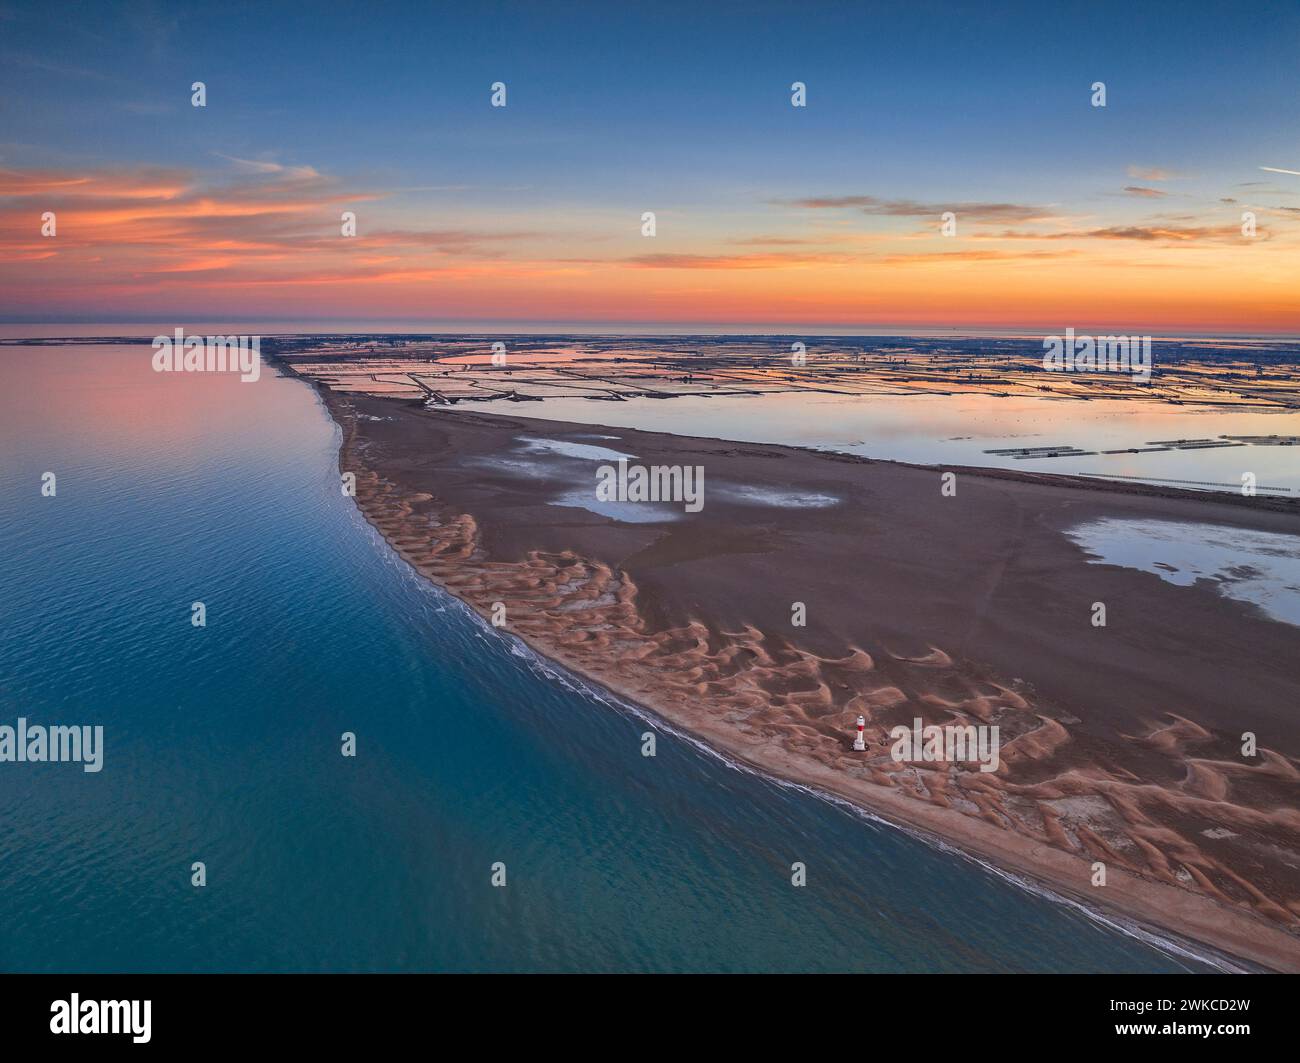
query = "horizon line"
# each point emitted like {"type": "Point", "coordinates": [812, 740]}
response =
{"type": "Point", "coordinates": [485, 326]}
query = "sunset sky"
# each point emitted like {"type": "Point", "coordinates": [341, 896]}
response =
{"type": "Point", "coordinates": [1123, 217]}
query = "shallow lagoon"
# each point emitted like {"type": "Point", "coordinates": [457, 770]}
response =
{"type": "Point", "coordinates": [959, 429]}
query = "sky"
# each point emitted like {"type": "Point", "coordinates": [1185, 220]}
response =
{"type": "Point", "coordinates": [1127, 217]}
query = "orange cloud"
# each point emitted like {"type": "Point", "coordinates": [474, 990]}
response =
{"type": "Point", "coordinates": [261, 238]}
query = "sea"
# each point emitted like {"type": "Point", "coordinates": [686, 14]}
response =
{"type": "Point", "coordinates": [498, 814]}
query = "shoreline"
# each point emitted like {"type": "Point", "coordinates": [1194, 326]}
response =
{"type": "Point", "coordinates": [1025, 874]}
{"type": "Point", "coordinates": [1171, 914]}
{"type": "Point", "coordinates": [1114, 918]}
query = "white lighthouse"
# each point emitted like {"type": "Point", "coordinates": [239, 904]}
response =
{"type": "Point", "coordinates": [860, 743]}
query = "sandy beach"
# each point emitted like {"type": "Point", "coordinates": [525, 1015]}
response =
{"type": "Point", "coordinates": [1120, 745]}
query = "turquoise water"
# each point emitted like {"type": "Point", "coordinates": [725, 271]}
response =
{"type": "Point", "coordinates": [222, 743]}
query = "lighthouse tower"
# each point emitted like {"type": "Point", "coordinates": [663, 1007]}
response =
{"type": "Point", "coordinates": [859, 743]}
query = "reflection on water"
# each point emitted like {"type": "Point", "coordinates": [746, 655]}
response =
{"type": "Point", "coordinates": [1252, 566]}
{"type": "Point", "coordinates": [568, 449]}
{"type": "Point", "coordinates": [959, 429]}
{"type": "Point", "coordinates": [745, 494]}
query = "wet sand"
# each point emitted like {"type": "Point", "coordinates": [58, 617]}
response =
{"type": "Point", "coordinates": [1119, 744]}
